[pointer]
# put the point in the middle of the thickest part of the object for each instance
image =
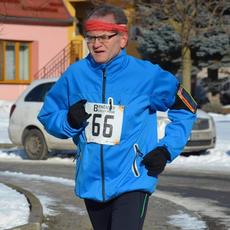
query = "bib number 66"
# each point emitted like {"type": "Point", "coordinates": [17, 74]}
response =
{"type": "Point", "coordinates": [105, 124]}
{"type": "Point", "coordinates": [98, 123]}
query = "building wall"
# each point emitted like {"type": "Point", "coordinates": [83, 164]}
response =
{"type": "Point", "coordinates": [50, 39]}
{"type": "Point", "coordinates": [47, 42]}
{"type": "Point", "coordinates": [11, 92]}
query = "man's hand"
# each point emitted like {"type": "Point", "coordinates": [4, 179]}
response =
{"type": "Point", "coordinates": [155, 161]}
{"type": "Point", "coordinates": [77, 115]}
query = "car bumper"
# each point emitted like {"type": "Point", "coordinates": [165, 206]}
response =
{"type": "Point", "coordinates": [200, 141]}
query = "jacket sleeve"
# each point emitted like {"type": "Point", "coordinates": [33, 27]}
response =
{"type": "Point", "coordinates": [53, 114]}
{"type": "Point", "coordinates": [181, 118]}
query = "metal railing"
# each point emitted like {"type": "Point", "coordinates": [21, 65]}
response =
{"type": "Point", "coordinates": [58, 64]}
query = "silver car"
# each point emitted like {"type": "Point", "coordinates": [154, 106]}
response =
{"type": "Point", "coordinates": [25, 130]}
{"type": "Point", "coordinates": [203, 135]}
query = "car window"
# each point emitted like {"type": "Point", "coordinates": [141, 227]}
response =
{"type": "Point", "coordinates": [38, 93]}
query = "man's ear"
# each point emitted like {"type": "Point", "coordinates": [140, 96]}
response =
{"type": "Point", "coordinates": [124, 40]}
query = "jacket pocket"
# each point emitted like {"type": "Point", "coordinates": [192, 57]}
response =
{"type": "Point", "coordinates": [136, 165]}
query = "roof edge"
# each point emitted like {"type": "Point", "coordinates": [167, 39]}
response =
{"type": "Point", "coordinates": [37, 21]}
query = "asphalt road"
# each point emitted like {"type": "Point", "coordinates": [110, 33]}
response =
{"type": "Point", "coordinates": [202, 192]}
{"type": "Point", "coordinates": [201, 195]}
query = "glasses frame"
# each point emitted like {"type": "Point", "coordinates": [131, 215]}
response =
{"type": "Point", "coordinates": [101, 38]}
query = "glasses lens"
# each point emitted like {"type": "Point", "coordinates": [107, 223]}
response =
{"type": "Point", "coordinates": [90, 39]}
{"type": "Point", "coordinates": [101, 38]}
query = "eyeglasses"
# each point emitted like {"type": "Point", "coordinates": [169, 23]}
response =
{"type": "Point", "coordinates": [102, 38]}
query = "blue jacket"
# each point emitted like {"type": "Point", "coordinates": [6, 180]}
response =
{"type": "Point", "coordinates": [105, 171]}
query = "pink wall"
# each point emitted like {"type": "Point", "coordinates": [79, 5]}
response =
{"type": "Point", "coordinates": [49, 41]}
{"type": "Point", "coordinates": [10, 92]}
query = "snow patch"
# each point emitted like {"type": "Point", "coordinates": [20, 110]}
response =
{"type": "Point", "coordinates": [47, 204]}
{"type": "Point", "coordinates": [186, 222]}
{"type": "Point", "coordinates": [14, 208]}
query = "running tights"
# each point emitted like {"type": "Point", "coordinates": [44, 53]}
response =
{"type": "Point", "coordinates": [126, 212]}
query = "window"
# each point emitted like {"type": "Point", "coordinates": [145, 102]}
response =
{"type": "Point", "coordinates": [38, 93]}
{"type": "Point", "coordinates": [24, 61]}
{"type": "Point", "coordinates": [10, 61]}
{"type": "Point", "coordinates": [15, 63]}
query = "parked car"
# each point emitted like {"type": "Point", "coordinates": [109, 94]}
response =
{"type": "Point", "coordinates": [203, 135]}
{"type": "Point", "coordinates": [26, 130]}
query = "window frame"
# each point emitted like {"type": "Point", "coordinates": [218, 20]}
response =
{"type": "Point", "coordinates": [17, 79]}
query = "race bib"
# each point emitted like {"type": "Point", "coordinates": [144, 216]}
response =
{"type": "Point", "coordinates": [105, 123]}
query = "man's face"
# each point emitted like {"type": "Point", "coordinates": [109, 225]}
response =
{"type": "Point", "coordinates": [103, 50]}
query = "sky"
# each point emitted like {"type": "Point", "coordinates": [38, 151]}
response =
{"type": "Point", "coordinates": [13, 205]}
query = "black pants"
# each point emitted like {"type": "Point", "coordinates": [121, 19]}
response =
{"type": "Point", "coordinates": [126, 212]}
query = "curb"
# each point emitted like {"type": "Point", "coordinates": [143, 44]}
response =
{"type": "Point", "coordinates": [36, 212]}
{"type": "Point", "coordinates": [7, 145]}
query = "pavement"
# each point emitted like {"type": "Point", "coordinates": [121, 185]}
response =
{"type": "Point", "coordinates": [157, 218]}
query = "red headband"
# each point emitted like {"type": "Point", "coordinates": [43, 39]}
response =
{"type": "Point", "coordinates": [92, 24]}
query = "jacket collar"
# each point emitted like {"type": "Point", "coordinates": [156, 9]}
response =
{"type": "Point", "coordinates": [116, 64]}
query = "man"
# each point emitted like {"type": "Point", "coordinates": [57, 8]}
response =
{"type": "Point", "coordinates": [107, 103]}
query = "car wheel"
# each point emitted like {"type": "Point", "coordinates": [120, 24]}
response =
{"type": "Point", "coordinates": [35, 145]}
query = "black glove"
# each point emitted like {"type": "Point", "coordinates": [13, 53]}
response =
{"type": "Point", "coordinates": [77, 115]}
{"type": "Point", "coordinates": [155, 161]}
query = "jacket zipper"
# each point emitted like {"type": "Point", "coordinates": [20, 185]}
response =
{"type": "Point", "coordinates": [138, 153]}
{"type": "Point", "coordinates": [102, 146]}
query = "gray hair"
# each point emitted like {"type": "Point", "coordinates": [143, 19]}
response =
{"type": "Point", "coordinates": [106, 9]}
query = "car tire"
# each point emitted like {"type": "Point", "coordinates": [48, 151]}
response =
{"type": "Point", "coordinates": [35, 145]}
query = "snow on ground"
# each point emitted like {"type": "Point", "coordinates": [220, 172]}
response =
{"type": "Point", "coordinates": [14, 208]}
{"type": "Point", "coordinates": [186, 222]}
{"type": "Point", "coordinates": [29, 177]}
{"type": "Point", "coordinates": [217, 159]}
{"type": "Point", "coordinates": [46, 203]}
